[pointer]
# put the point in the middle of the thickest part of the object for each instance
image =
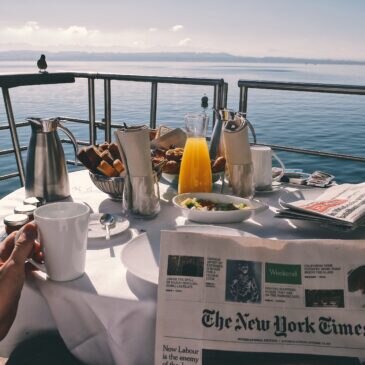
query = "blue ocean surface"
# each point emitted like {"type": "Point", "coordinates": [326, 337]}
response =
{"type": "Point", "coordinates": [328, 122]}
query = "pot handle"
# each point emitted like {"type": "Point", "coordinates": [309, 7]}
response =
{"type": "Point", "coordinates": [72, 138]}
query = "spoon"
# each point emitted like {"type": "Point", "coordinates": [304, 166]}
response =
{"type": "Point", "coordinates": [107, 220]}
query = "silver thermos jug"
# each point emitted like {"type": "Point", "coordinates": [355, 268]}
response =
{"type": "Point", "coordinates": [46, 174]}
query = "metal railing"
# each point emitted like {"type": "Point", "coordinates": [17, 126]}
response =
{"type": "Point", "coordinates": [244, 85]}
{"type": "Point", "coordinates": [220, 100]}
{"type": "Point", "coordinates": [16, 80]}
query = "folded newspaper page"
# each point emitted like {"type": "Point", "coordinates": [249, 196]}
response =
{"type": "Point", "coordinates": [228, 300]}
{"type": "Point", "coordinates": [342, 205]}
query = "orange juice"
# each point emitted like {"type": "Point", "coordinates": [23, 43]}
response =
{"type": "Point", "coordinates": [195, 170]}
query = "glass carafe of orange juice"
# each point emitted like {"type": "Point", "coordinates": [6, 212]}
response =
{"type": "Point", "coordinates": [195, 170]}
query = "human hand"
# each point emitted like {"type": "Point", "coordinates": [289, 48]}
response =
{"type": "Point", "coordinates": [25, 246]}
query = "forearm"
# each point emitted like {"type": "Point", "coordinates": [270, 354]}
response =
{"type": "Point", "coordinates": [12, 278]}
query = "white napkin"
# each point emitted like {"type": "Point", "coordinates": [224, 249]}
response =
{"type": "Point", "coordinates": [134, 145]}
{"type": "Point", "coordinates": [236, 143]}
{"type": "Point", "coordinates": [238, 156]}
{"type": "Point", "coordinates": [175, 137]}
{"type": "Point", "coordinates": [141, 196]}
{"type": "Point", "coordinates": [100, 329]}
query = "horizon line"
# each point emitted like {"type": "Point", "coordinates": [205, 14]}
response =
{"type": "Point", "coordinates": [198, 56]}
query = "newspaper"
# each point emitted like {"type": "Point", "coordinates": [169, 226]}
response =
{"type": "Point", "coordinates": [224, 299]}
{"type": "Point", "coordinates": [341, 205]}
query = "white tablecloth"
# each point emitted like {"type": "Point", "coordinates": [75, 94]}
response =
{"type": "Point", "coordinates": [108, 315]}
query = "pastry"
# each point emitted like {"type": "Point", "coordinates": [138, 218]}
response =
{"type": "Point", "coordinates": [104, 146]}
{"type": "Point", "coordinates": [159, 152]}
{"type": "Point", "coordinates": [219, 164]}
{"type": "Point", "coordinates": [106, 156]}
{"type": "Point", "coordinates": [106, 169]}
{"type": "Point", "coordinates": [171, 167]}
{"type": "Point", "coordinates": [114, 151]}
{"type": "Point", "coordinates": [118, 165]}
{"type": "Point", "coordinates": [90, 157]}
{"type": "Point", "coordinates": [174, 154]}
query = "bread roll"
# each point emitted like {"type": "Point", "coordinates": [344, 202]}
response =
{"type": "Point", "coordinates": [117, 164]}
{"type": "Point", "coordinates": [106, 156]}
{"type": "Point", "coordinates": [219, 164]}
{"type": "Point", "coordinates": [171, 167]}
{"type": "Point", "coordinates": [174, 154]}
{"type": "Point", "coordinates": [106, 169]}
{"type": "Point", "coordinates": [104, 146]}
{"type": "Point", "coordinates": [114, 151]}
{"type": "Point", "coordinates": [90, 157]}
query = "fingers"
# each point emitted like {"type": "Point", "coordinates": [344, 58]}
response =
{"type": "Point", "coordinates": [25, 243]}
{"type": "Point", "coordinates": [7, 246]}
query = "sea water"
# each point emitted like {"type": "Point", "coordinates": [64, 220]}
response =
{"type": "Point", "coordinates": [327, 122]}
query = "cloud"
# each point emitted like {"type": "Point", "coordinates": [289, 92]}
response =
{"type": "Point", "coordinates": [75, 30]}
{"type": "Point", "coordinates": [32, 25]}
{"type": "Point", "coordinates": [177, 28]}
{"type": "Point", "coordinates": [28, 28]}
{"type": "Point", "coordinates": [69, 38]}
{"type": "Point", "coordinates": [184, 42]}
{"type": "Point", "coordinates": [34, 36]}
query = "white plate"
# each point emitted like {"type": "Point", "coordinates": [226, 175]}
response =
{"type": "Point", "coordinates": [275, 186]}
{"type": "Point", "coordinates": [288, 197]}
{"type": "Point", "coordinates": [173, 179]}
{"type": "Point", "coordinates": [212, 217]}
{"type": "Point", "coordinates": [97, 230]}
{"type": "Point", "coordinates": [141, 257]}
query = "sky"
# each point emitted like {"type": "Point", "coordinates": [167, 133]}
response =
{"type": "Point", "coordinates": [330, 29]}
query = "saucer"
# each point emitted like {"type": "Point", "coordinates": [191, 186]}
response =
{"type": "Point", "coordinates": [97, 230]}
{"type": "Point", "coordinates": [275, 186]}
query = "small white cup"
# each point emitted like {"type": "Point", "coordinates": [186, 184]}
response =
{"type": "Point", "coordinates": [62, 233]}
{"type": "Point", "coordinates": [262, 164]}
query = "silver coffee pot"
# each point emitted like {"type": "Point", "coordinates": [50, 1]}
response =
{"type": "Point", "coordinates": [46, 171]}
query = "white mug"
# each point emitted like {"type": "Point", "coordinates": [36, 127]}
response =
{"type": "Point", "coordinates": [262, 165]}
{"type": "Point", "coordinates": [62, 233]}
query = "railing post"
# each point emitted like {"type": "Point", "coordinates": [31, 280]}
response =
{"type": "Point", "coordinates": [243, 99]}
{"type": "Point", "coordinates": [153, 110]}
{"type": "Point", "coordinates": [14, 134]}
{"type": "Point", "coordinates": [225, 95]}
{"type": "Point", "coordinates": [220, 97]}
{"type": "Point", "coordinates": [91, 95]}
{"type": "Point", "coordinates": [107, 110]}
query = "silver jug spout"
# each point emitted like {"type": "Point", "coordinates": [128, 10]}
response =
{"type": "Point", "coordinates": [44, 125]}
{"type": "Point", "coordinates": [35, 122]}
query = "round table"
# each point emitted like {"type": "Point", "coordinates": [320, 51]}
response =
{"type": "Point", "coordinates": [108, 315]}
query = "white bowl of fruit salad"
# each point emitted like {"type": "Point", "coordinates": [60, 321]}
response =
{"type": "Point", "coordinates": [216, 208]}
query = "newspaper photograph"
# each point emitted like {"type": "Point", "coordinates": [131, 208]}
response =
{"type": "Point", "coordinates": [238, 300]}
{"type": "Point", "coordinates": [344, 204]}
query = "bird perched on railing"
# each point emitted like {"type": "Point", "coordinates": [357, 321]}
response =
{"type": "Point", "coordinates": [42, 64]}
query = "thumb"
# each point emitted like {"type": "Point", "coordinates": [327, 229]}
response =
{"type": "Point", "coordinates": [24, 244]}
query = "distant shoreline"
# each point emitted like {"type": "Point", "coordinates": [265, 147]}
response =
{"type": "Point", "coordinates": [27, 55]}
